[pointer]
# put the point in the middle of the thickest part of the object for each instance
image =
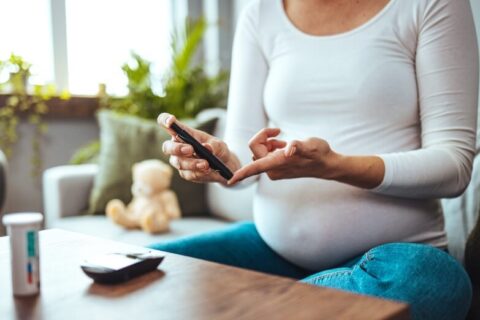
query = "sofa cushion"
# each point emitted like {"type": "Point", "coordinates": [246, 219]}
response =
{"type": "Point", "coordinates": [126, 140]}
{"type": "Point", "coordinates": [101, 226]}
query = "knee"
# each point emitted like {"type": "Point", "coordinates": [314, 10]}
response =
{"type": "Point", "coordinates": [433, 283]}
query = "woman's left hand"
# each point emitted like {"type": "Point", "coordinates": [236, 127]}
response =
{"type": "Point", "coordinates": [308, 158]}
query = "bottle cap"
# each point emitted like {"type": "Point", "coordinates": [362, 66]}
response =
{"type": "Point", "coordinates": [23, 218]}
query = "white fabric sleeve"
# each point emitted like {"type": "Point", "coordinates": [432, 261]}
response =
{"type": "Point", "coordinates": [245, 114]}
{"type": "Point", "coordinates": [447, 77]}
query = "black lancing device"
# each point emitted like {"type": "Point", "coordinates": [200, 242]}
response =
{"type": "Point", "coordinates": [203, 152]}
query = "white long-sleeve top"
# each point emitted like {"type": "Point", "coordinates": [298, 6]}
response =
{"type": "Point", "coordinates": [402, 86]}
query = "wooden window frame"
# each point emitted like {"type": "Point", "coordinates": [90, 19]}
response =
{"type": "Point", "coordinates": [76, 107]}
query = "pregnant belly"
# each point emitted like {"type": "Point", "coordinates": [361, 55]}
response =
{"type": "Point", "coordinates": [319, 224]}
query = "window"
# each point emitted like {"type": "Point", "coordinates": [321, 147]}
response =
{"type": "Point", "coordinates": [80, 44]}
{"type": "Point", "coordinates": [102, 33]}
{"type": "Point", "coordinates": [26, 31]}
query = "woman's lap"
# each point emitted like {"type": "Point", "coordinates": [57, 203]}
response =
{"type": "Point", "coordinates": [239, 245]}
{"type": "Point", "coordinates": [430, 280]}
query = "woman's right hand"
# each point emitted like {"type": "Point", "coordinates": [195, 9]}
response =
{"type": "Point", "coordinates": [184, 159]}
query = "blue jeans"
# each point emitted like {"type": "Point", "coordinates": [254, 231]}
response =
{"type": "Point", "coordinates": [433, 283]}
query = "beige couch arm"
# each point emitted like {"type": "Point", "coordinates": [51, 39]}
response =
{"type": "Point", "coordinates": [66, 190]}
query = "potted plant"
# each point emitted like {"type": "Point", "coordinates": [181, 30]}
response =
{"type": "Point", "coordinates": [187, 88]}
{"type": "Point", "coordinates": [17, 102]}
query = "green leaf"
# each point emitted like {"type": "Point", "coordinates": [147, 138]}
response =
{"type": "Point", "coordinates": [187, 89]}
{"type": "Point", "coordinates": [65, 95]}
{"type": "Point", "coordinates": [87, 153]}
{"type": "Point", "coordinates": [190, 40]}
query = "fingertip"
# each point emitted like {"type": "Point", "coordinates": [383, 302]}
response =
{"type": "Point", "coordinates": [161, 119]}
{"type": "Point", "coordinates": [233, 179]}
{"type": "Point", "coordinates": [166, 119]}
{"type": "Point", "coordinates": [275, 131]}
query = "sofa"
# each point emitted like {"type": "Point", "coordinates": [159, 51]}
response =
{"type": "Point", "coordinates": [66, 190]}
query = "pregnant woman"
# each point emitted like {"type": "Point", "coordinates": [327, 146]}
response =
{"type": "Point", "coordinates": [353, 118]}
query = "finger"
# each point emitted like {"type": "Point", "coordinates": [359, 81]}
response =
{"type": "Point", "coordinates": [173, 148]}
{"type": "Point", "coordinates": [256, 167]}
{"type": "Point", "coordinates": [189, 175]}
{"type": "Point", "coordinates": [175, 162]}
{"type": "Point", "coordinates": [291, 148]}
{"type": "Point", "coordinates": [264, 134]}
{"type": "Point", "coordinates": [166, 120]}
{"type": "Point", "coordinates": [274, 144]}
{"type": "Point", "coordinates": [249, 170]}
{"type": "Point", "coordinates": [257, 143]}
{"type": "Point", "coordinates": [201, 176]}
{"type": "Point", "coordinates": [208, 146]}
{"type": "Point", "coordinates": [219, 149]}
{"type": "Point", "coordinates": [193, 164]}
{"type": "Point", "coordinates": [267, 133]}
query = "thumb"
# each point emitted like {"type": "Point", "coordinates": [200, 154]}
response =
{"type": "Point", "coordinates": [218, 149]}
{"type": "Point", "coordinates": [208, 146]}
{"type": "Point", "coordinates": [293, 147]}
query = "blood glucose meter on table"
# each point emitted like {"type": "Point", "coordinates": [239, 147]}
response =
{"type": "Point", "coordinates": [120, 267]}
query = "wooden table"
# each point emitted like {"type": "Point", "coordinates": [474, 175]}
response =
{"type": "Point", "coordinates": [182, 288]}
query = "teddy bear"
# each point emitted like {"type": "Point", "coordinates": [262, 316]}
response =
{"type": "Point", "coordinates": [153, 205]}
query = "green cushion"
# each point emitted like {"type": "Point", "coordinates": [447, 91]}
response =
{"type": "Point", "coordinates": [126, 140]}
